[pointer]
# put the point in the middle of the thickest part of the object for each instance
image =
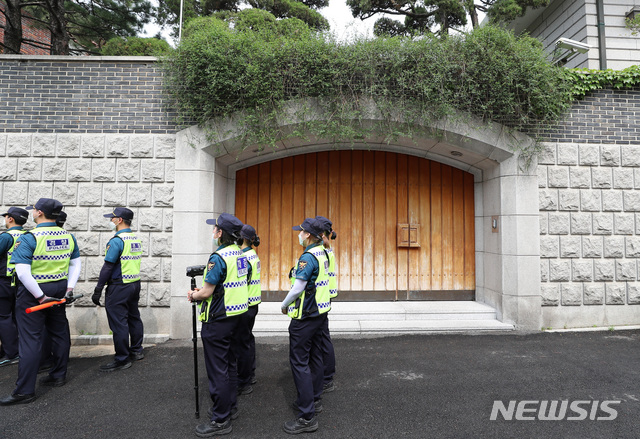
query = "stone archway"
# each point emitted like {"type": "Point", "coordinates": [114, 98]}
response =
{"type": "Point", "coordinates": [505, 192]}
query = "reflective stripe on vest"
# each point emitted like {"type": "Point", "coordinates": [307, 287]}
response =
{"type": "Point", "coordinates": [255, 291]}
{"type": "Point", "coordinates": [296, 309]}
{"type": "Point", "coordinates": [52, 254]}
{"type": "Point", "coordinates": [333, 280]}
{"type": "Point", "coordinates": [15, 234]}
{"type": "Point", "coordinates": [235, 290]}
{"type": "Point", "coordinates": [130, 258]}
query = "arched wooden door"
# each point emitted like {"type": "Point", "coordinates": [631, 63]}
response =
{"type": "Point", "coordinates": [405, 224]}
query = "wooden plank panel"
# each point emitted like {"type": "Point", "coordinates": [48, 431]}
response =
{"type": "Point", "coordinates": [334, 207]}
{"type": "Point", "coordinates": [391, 222]}
{"type": "Point", "coordinates": [458, 229]}
{"type": "Point", "coordinates": [413, 202]}
{"type": "Point", "coordinates": [447, 229]}
{"type": "Point", "coordinates": [425, 225]}
{"type": "Point", "coordinates": [403, 218]}
{"type": "Point", "coordinates": [287, 222]}
{"type": "Point", "coordinates": [297, 213]}
{"type": "Point", "coordinates": [310, 186]}
{"type": "Point", "coordinates": [264, 179]}
{"type": "Point", "coordinates": [342, 258]}
{"type": "Point", "coordinates": [322, 189]}
{"type": "Point", "coordinates": [357, 225]}
{"type": "Point", "coordinates": [469, 234]}
{"type": "Point", "coordinates": [368, 219]}
{"type": "Point", "coordinates": [379, 226]}
{"type": "Point", "coordinates": [275, 224]}
{"type": "Point", "coordinates": [252, 197]}
{"type": "Point", "coordinates": [436, 226]}
{"type": "Point", "coordinates": [241, 195]}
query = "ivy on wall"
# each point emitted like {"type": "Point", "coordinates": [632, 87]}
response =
{"type": "Point", "coordinates": [583, 81]}
{"type": "Point", "coordinates": [274, 81]}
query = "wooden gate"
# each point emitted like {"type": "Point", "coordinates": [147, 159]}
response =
{"type": "Point", "coordinates": [405, 224]}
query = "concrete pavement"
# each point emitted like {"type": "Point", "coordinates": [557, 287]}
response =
{"type": "Point", "coordinates": [410, 386]}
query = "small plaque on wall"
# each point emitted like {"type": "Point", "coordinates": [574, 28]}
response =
{"type": "Point", "coordinates": [408, 235]}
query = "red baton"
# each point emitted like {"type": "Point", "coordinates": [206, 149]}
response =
{"type": "Point", "coordinates": [44, 306]}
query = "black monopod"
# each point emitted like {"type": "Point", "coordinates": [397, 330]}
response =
{"type": "Point", "coordinates": [192, 272]}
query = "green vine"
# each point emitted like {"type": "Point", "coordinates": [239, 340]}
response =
{"type": "Point", "coordinates": [583, 81]}
{"type": "Point", "coordinates": [260, 86]}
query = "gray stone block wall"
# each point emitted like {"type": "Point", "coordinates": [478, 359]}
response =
{"type": "Point", "coordinates": [91, 174]}
{"type": "Point", "coordinates": [590, 215]}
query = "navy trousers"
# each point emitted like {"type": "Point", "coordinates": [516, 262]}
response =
{"type": "Point", "coordinates": [244, 345]}
{"type": "Point", "coordinates": [8, 329]}
{"type": "Point", "coordinates": [328, 354]}
{"type": "Point", "coordinates": [305, 357]}
{"type": "Point", "coordinates": [31, 330]}
{"type": "Point", "coordinates": [220, 363]}
{"type": "Point", "coordinates": [121, 303]}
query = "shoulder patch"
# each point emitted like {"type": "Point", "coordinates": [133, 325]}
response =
{"type": "Point", "coordinates": [108, 247]}
{"type": "Point", "coordinates": [210, 266]}
{"type": "Point", "coordinates": [301, 265]}
{"type": "Point", "coordinates": [16, 246]}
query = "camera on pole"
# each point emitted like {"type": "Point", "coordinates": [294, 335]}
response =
{"type": "Point", "coordinates": [192, 272]}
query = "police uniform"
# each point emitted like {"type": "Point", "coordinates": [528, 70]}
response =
{"type": "Point", "coordinates": [308, 314]}
{"type": "Point", "coordinates": [244, 340]}
{"type": "Point", "coordinates": [122, 258]}
{"type": "Point", "coordinates": [48, 250]}
{"type": "Point", "coordinates": [8, 329]}
{"type": "Point", "coordinates": [220, 313]}
{"type": "Point", "coordinates": [328, 352]}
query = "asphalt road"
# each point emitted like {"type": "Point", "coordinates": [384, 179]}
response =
{"type": "Point", "coordinates": [414, 386]}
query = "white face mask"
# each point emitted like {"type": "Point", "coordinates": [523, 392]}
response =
{"type": "Point", "coordinates": [215, 241]}
{"type": "Point", "coordinates": [31, 217]}
{"type": "Point", "coordinates": [301, 239]}
{"type": "Point", "coordinates": [112, 225]}
{"type": "Point", "coordinates": [4, 221]}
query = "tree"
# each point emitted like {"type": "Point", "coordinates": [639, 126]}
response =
{"type": "Point", "coordinates": [306, 10]}
{"type": "Point", "coordinates": [135, 46]}
{"type": "Point", "coordinates": [11, 9]}
{"type": "Point", "coordinates": [83, 26]}
{"type": "Point", "coordinates": [436, 16]}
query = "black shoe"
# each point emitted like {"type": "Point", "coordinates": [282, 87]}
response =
{"type": "Point", "coordinates": [136, 356]}
{"type": "Point", "coordinates": [234, 413]}
{"type": "Point", "coordinates": [245, 390]}
{"type": "Point", "coordinates": [300, 425]}
{"type": "Point", "coordinates": [18, 398]}
{"type": "Point", "coordinates": [214, 428]}
{"type": "Point", "coordinates": [317, 405]}
{"type": "Point", "coordinates": [6, 361]}
{"type": "Point", "coordinates": [253, 380]}
{"type": "Point", "coordinates": [115, 365]}
{"type": "Point", "coordinates": [53, 382]}
{"type": "Point", "coordinates": [328, 387]}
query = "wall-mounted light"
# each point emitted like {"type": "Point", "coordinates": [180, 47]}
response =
{"type": "Point", "coordinates": [456, 153]}
{"type": "Point", "coordinates": [633, 13]}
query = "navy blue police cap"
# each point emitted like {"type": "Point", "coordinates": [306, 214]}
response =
{"type": "Point", "coordinates": [227, 223]}
{"type": "Point", "coordinates": [120, 212]}
{"type": "Point", "coordinates": [311, 225]}
{"type": "Point", "coordinates": [17, 213]}
{"type": "Point", "coordinates": [248, 233]}
{"type": "Point", "coordinates": [49, 206]}
{"type": "Point", "coordinates": [326, 223]}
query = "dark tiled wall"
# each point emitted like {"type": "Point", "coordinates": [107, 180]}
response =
{"type": "Point", "coordinates": [88, 96]}
{"type": "Point", "coordinates": [605, 116]}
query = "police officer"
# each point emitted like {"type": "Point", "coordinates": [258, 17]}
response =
{"type": "Point", "coordinates": [47, 264]}
{"type": "Point", "coordinates": [121, 273]}
{"type": "Point", "coordinates": [224, 296]}
{"type": "Point", "coordinates": [307, 304]}
{"type": "Point", "coordinates": [244, 339]}
{"type": "Point", "coordinates": [328, 353]}
{"type": "Point", "coordinates": [13, 220]}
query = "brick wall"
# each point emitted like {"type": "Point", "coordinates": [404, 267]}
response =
{"type": "Point", "coordinates": [82, 95]}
